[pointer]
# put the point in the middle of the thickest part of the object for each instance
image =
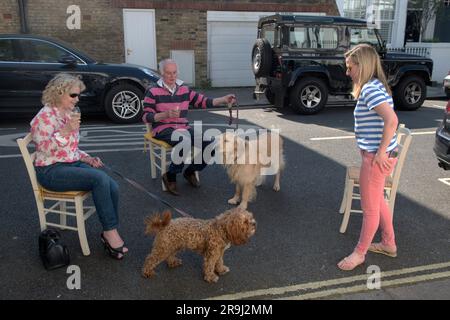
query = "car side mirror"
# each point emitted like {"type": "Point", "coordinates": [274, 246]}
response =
{"type": "Point", "coordinates": [69, 60]}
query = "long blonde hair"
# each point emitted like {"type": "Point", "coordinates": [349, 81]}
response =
{"type": "Point", "coordinates": [58, 86]}
{"type": "Point", "coordinates": [369, 63]}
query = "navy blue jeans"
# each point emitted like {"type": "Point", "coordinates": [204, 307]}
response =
{"type": "Point", "coordinates": [174, 169]}
{"type": "Point", "coordinates": [79, 176]}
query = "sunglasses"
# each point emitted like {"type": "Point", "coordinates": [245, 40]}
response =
{"type": "Point", "coordinates": [74, 95]}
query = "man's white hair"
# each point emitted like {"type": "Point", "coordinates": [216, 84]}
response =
{"type": "Point", "coordinates": [163, 63]}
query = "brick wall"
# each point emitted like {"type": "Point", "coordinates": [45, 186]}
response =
{"type": "Point", "coordinates": [9, 17]}
{"type": "Point", "coordinates": [100, 35]}
{"type": "Point", "coordinates": [179, 24]}
{"type": "Point", "coordinates": [183, 30]}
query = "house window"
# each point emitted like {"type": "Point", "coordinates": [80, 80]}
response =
{"type": "Point", "coordinates": [447, 3]}
{"type": "Point", "coordinates": [380, 12]}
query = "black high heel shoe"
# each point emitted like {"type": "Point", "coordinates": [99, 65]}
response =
{"type": "Point", "coordinates": [116, 253]}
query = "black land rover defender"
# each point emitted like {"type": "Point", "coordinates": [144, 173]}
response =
{"type": "Point", "coordinates": [299, 61]}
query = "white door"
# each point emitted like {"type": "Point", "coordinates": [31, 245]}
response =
{"type": "Point", "coordinates": [140, 37]}
{"type": "Point", "coordinates": [186, 65]}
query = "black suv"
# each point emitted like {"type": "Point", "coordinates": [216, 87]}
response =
{"type": "Point", "coordinates": [28, 62]}
{"type": "Point", "coordinates": [299, 61]}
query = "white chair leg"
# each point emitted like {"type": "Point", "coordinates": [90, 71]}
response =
{"type": "Point", "coordinates": [152, 160]}
{"type": "Point", "coordinates": [80, 226]}
{"type": "Point", "coordinates": [63, 217]}
{"type": "Point", "coordinates": [348, 206]}
{"type": "Point", "coordinates": [163, 165]}
{"type": "Point", "coordinates": [41, 212]}
{"type": "Point", "coordinates": [197, 176]}
{"type": "Point", "coordinates": [392, 202]}
{"type": "Point", "coordinates": [344, 200]}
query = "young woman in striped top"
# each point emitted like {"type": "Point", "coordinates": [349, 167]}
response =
{"type": "Point", "coordinates": [375, 127]}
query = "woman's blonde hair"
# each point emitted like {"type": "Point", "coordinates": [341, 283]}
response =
{"type": "Point", "coordinates": [60, 85]}
{"type": "Point", "coordinates": [369, 63]}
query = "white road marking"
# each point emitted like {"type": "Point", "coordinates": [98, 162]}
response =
{"type": "Point", "coordinates": [327, 283]}
{"type": "Point", "coordinates": [445, 181]}
{"type": "Point", "coordinates": [363, 287]}
{"type": "Point", "coordinates": [333, 138]}
{"type": "Point", "coordinates": [353, 137]}
{"type": "Point", "coordinates": [94, 151]}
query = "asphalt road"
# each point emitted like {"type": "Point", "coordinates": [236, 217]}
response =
{"type": "Point", "coordinates": [297, 245]}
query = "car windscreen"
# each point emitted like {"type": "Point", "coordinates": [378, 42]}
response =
{"type": "Point", "coordinates": [363, 35]}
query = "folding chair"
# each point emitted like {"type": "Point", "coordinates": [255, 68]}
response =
{"type": "Point", "coordinates": [56, 202]}
{"type": "Point", "coordinates": [391, 184]}
{"type": "Point", "coordinates": [158, 154]}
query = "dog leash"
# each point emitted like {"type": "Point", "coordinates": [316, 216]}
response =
{"type": "Point", "coordinates": [230, 119]}
{"type": "Point", "coordinates": [141, 188]}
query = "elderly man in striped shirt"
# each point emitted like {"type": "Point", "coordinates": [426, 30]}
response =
{"type": "Point", "coordinates": [165, 108]}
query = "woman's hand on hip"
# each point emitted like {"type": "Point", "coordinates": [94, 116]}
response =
{"type": "Point", "coordinates": [382, 160]}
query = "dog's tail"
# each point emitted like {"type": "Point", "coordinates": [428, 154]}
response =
{"type": "Point", "coordinates": [157, 222]}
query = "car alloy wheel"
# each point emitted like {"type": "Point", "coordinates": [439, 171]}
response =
{"type": "Point", "coordinates": [310, 96]}
{"type": "Point", "coordinates": [126, 104]}
{"type": "Point", "coordinates": [413, 93]}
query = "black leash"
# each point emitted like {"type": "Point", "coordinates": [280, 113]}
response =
{"type": "Point", "coordinates": [140, 187]}
{"type": "Point", "coordinates": [230, 119]}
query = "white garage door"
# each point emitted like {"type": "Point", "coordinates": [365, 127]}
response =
{"type": "Point", "coordinates": [230, 46]}
{"type": "Point", "coordinates": [231, 36]}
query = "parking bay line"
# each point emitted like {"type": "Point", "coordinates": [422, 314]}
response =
{"type": "Point", "coordinates": [363, 288]}
{"type": "Point", "coordinates": [353, 137]}
{"type": "Point", "coordinates": [445, 181]}
{"type": "Point", "coordinates": [88, 151]}
{"type": "Point", "coordinates": [340, 281]}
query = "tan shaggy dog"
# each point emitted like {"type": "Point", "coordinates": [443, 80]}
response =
{"type": "Point", "coordinates": [209, 238]}
{"type": "Point", "coordinates": [246, 160]}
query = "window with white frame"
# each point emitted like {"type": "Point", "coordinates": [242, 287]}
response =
{"type": "Point", "coordinates": [382, 11]}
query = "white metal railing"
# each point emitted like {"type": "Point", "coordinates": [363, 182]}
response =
{"type": "Point", "coordinates": [420, 51]}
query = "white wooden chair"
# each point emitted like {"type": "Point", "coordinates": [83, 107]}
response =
{"type": "Point", "coordinates": [158, 154]}
{"type": "Point", "coordinates": [56, 202]}
{"type": "Point", "coordinates": [391, 185]}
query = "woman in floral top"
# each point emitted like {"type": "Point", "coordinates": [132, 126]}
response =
{"type": "Point", "coordinates": [61, 166]}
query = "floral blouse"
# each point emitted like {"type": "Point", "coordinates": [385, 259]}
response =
{"type": "Point", "coordinates": [51, 146]}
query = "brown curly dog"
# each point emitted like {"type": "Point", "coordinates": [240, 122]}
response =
{"type": "Point", "coordinates": [210, 238]}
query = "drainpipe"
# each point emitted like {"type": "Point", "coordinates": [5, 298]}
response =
{"type": "Point", "coordinates": [23, 16]}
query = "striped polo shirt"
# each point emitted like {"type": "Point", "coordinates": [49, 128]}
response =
{"type": "Point", "coordinates": [159, 99]}
{"type": "Point", "coordinates": [369, 124]}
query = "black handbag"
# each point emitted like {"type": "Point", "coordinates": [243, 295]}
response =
{"type": "Point", "coordinates": [52, 250]}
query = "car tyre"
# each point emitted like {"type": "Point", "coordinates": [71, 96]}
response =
{"type": "Point", "coordinates": [123, 103]}
{"type": "Point", "coordinates": [309, 96]}
{"type": "Point", "coordinates": [261, 58]}
{"type": "Point", "coordinates": [410, 93]}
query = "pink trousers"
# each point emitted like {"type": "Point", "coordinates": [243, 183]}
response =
{"type": "Point", "coordinates": [375, 209]}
